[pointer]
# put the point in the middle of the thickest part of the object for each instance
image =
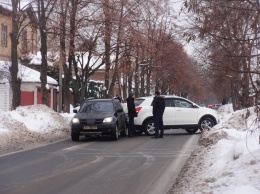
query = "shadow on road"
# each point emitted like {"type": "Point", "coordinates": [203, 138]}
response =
{"type": "Point", "coordinates": [108, 138]}
{"type": "Point", "coordinates": [177, 134]}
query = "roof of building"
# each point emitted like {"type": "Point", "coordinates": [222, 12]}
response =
{"type": "Point", "coordinates": [95, 62]}
{"type": "Point", "coordinates": [25, 73]}
{"type": "Point", "coordinates": [37, 59]}
{"type": "Point", "coordinates": [5, 9]}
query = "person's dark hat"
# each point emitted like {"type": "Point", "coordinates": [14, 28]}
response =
{"type": "Point", "coordinates": [131, 94]}
{"type": "Point", "coordinates": [158, 93]}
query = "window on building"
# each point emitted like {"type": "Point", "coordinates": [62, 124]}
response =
{"type": "Point", "coordinates": [24, 41]}
{"type": "Point", "coordinates": [4, 35]}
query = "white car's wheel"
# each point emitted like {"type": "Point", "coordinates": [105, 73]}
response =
{"type": "Point", "coordinates": [206, 124]}
{"type": "Point", "coordinates": [149, 128]}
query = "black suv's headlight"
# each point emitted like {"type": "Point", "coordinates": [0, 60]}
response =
{"type": "Point", "coordinates": [75, 121]}
{"type": "Point", "coordinates": [108, 120]}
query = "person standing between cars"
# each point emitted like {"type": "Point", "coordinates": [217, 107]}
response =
{"type": "Point", "coordinates": [131, 114]}
{"type": "Point", "coordinates": [158, 110]}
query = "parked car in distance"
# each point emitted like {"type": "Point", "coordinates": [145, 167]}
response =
{"type": "Point", "coordinates": [214, 106]}
{"type": "Point", "coordinates": [99, 117]}
{"type": "Point", "coordinates": [179, 113]}
{"type": "Point", "coordinates": [211, 106]}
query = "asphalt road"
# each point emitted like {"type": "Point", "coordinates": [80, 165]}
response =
{"type": "Point", "coordinates": [138, 165]}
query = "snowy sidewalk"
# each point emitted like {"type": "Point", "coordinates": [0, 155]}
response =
{"type": "Point", "coordinates": [32, 126]}
{"type": "Point", "coordinates": [228, 161]}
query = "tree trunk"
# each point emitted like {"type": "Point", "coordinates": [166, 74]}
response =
{"type": "Point", "coordinates": [124, 94]}
{"type": "Point", "coordinates": [107, 37]}
{"type": "Point", "coordinates": [119, 34]}
{"type": "Point", "coordinates": [129, 83]}
{"type": "Point", "coordinates": [43, 49]}
{"type": "Point", "coordinates": [148, 80]}
{"type": "Point", "coordinates": [62, 51]}
{"type": "Point", "coordinates": [235, 93]}
{"type": "Point", "coordinates": [136, 78]}
{"type": "Point", "coordinates": [15, 81]}
{"type": "Point", "coordinates": [82, 92]}
{"type": "Point", "coordinates": [245, 87]}
{"type": "Point", "coordinates": [142, 91]}
{"type": "Point", "coordinates": [68, 68]}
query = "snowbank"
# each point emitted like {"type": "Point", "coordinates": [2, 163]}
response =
{"type": "Point", "coordinates": [29, 126]}
{"type": "Point", "coordinates": [229, 160]}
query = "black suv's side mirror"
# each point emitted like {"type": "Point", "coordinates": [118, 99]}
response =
{"type": "Point", "coordinates": [75, 110]}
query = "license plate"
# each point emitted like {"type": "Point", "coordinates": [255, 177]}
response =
{"type": "Point", "coordinates": [90, 127]}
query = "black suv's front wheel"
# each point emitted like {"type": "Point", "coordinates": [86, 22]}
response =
{"type": "Point", "coordinates": [74, 137]}
{"type": "Point", "coordinates": [115, 134]}
{"type": "Point", "coordinates": [123, 133]}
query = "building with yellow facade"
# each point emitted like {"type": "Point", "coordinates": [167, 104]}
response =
{"type": "Point", "coordinates": [27, 33]}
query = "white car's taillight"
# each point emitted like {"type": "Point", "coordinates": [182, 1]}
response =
{"type": "Point", "coordinates": [138, 109]}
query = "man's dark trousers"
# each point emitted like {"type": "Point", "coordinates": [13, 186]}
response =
{"type": "Point", "coordinates": [131, 127]}
{"type": "Point", "coordinates": [158, 124]}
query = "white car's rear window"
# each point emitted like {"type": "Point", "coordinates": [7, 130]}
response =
{"type": "Point", "coordinates": [138, 101]}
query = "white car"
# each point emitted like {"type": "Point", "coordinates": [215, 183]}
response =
{"type": "Point", "coordinates": [179, 113]}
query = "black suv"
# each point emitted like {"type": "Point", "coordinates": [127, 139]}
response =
{"type": "Point", "coordinates": [99, 117]}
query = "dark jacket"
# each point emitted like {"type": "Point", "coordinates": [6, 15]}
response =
{"type": "Point", "coordinates": [131, 107]}
{"type": "Point", "coordinates": [158, 106]}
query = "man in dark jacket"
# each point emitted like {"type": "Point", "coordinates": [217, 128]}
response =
{"type": "Point", "coordinates": [158, 110]}
{"type": "Point", "coordinates": [131, 114]}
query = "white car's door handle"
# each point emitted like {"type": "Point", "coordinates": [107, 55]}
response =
{"type": "Point", "coordinates": [178, 110]}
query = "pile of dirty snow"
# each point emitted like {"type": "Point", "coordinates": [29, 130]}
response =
{"type": "Point", "coordinates": [228, 161]}
{"type": "Point", "coordinates": [30, 126]}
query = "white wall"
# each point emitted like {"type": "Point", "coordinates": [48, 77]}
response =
{"type": "Point", "coordinates": [29, 87]}
{"type": "Point", "coordinates": [5, 97]}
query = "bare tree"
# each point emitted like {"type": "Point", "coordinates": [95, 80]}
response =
{"type": "Point", "coordinates": [107, 40]}
{"type": "Point", "coordinates": [16, 81]}
{"type": "Point", "coordinates": [18, 16]}
{"type": "Point", "coordinates": [230, 29]}
{"type": "Point", "coordinates": [44, 10]}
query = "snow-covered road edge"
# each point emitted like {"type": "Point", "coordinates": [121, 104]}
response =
{"type": "Point", "coordinates": [32, 126]}
{"type": "Point", "coordinates": [227, 161]}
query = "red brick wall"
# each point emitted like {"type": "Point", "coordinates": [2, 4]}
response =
{"type": "Point", "coordinates": [99, 75]}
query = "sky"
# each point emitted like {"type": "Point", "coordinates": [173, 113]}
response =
{"type": "Point", "coordinates": [177, 5]}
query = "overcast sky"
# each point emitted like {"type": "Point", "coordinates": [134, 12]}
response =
{"type": "Point", "coordinates": [177, 5]}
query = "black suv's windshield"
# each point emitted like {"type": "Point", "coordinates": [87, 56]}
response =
{"type": "Point", "coordinates": [98, 106]}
